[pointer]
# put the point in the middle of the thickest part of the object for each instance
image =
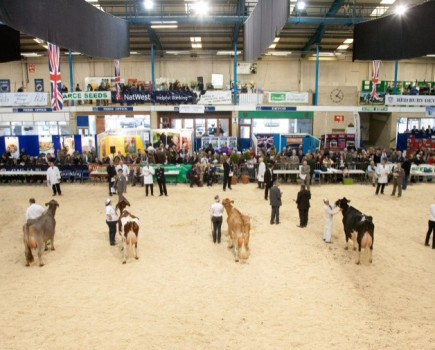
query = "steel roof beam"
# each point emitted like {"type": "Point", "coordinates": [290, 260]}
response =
{"type": "Point", "coordinates": [154, 39]}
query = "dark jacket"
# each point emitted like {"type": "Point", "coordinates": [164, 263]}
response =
{"type": "Point", "coordinates": [160, 174]}
{"type": "Point", "coordinates": [111, 172]}
{"type": "Point", "coordinates": [406, 165]}
{"type": "Point", "coordinates": [268, 177]}
{"type": "Point", "coordinates": [275, 196]}
{"type": "Point", "coordinates": [303, 200]}
{"type": "Point", "coordinates": [228, 167]}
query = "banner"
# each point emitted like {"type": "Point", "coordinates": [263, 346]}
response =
{"type": "Point", "coordinates": [162, 97]}
{"type": "Point", "coordinates": [410, 100]}
{"type": "Point", "coordinates": [23, 99]}
{"type": "Point", "coordinates": [247, 68]}
{"type": "Point", "coordinates": [67, 143]}
{"type": "Point", "coordinates": [205, 141]}
{"type": "Point", "coordinates": [87, 95]}
{"type": "Point", "coordinates": [430, 112]}
{"type": "Point", "coordinates": [39, 85]}
{"type": "Point", "coordinates": [366, 98]}
{"type": "Point", "coordinates": [357, 123]}
{"type": "Point", "coordinates": [215, 98]}
{"type": "Point", "coordinates": [5, 85]}
{"type": "Point", "coordinates": [191, 109]}
{"type": "Point", "coordinates": [88, 144]}
{"type": "Point", "coordinates": [46, 144]}
{"type": "Point", "coordinates": [12, 145]}
{"type": "Point", "coordinates": [288, 97]}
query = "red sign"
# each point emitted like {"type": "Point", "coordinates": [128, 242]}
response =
{"type": "Point", "coordinates": [338, 118]}
{"type": "Point", "coordinates": [31, 68]}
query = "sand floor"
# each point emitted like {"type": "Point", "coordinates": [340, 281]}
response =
{"type": "Point", "coordinates": [184, 292]}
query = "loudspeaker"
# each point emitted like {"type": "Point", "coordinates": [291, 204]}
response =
{"type": "Point", "coordinates": [112, 149]}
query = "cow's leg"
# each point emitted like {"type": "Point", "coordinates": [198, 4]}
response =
{"type": "Point", "coordinates": [124, 248]}
{"type": "Point", "coordinates": [40, 245]}
{"type": "Point", "coordinates": [135, 250]}
{"type": "Point", "coordinates": [230, 239]}
{"type": "Point", "coordinates": [354, 238]}
{"type": "Point", "coordinates": [52, 242]}
{"type": "Point", "coordinates": [359, 239]}
{"type": "Point", "coordinates": [236, 250]}
{"type": "Point", "coordinates": [371, 247]}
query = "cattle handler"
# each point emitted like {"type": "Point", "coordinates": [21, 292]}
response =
{"type": "Point", "coordinates": [329, 213]}
{"type": "Point", "coordinates": [216, 212]}
{"type": "Point", "coordinates": [111, 220]}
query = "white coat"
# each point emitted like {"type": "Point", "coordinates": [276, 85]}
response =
{"type": "Point", "coordinates": [148, 173]}
{"type": "Point", "coordinates": [329, 213]}
{"type": "Point", "coordinates": [382, 171]}
{"type": "Point", "coordinates": [53, 175]}
{"type": "Point", "coordinates": [261, 171]}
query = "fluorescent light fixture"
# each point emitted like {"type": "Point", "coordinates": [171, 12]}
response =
{"type": "Point", "coordinates": [164, 22]}
{"type": "Point", "coordinates": [293, 1]}
{"type": "Point", "coordinates": [169, 52]}
{"type": "Point", "coordinates": [324, 54]}
{"type": "Point", "coordinates": [201, 8]}
{"type": "Point", "coordinates": [195, 39]}
{"type": "Point", "coordinates": [30, 54]}
{"type": "Point", "coordinates": [430, 55]}
{"type": "Point", "coordinates": [278, 53]}
{"type": "Point", "coordinates": [45, 46]}
{"type": "Point", "coordinates": [164, 26]}
{"type": "Point", "coordinates": [379, 11]}
{"type": "Point", "coordinates": [148, 4]}
{"type": "Point", "coordinates": [343, 47]}
{"type": "Point", "coordinates": [348, 41]}
{"type": "Point", "coordinates": [227, 53]}
{"type": "Point", "coordinates": [272, 46]}
{"type": "Point", "coordinates": [75, 53]}
{"type": "Point", "coordinates": [400, 9]}
{"type": "Point", "coordinates": [39, 41]}
{"type": "Point", "coordinates": [196, 46]}
{"type": "Point", "coordinates": [92, 0]}
{"type": "Point", "coordinates": [300, 5]}
{"type": "Point", "coordinates": [387, 2]}
{"type": "Point", "coordinates": [276, 39]}
{"type": "Point", "coordinates": [134, 53]}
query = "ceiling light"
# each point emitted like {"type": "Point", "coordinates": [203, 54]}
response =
{"type": "Point", "coordinates": [134, 53]}
{"type": "Point", "coordinates": [92, 0]}
{"type": "Point", "coordinates": [148, 4]}
{"type": "Point", "coordinates": [379, 11]}
{"type": "Point", "coordinates": [387, 2]}
{"type": "Point", "coordinates": [169, 52]}
{"type": "Point", "coordinates": [164, 26]}
{"type": "Point", "coordinates": [195, 39]}
{"type": "Point", "coordinates": [348, 41]}
{"type": "Point", "coordinates": [45, 46]}
{"type": "Point", "coordinates": [324, 54]}
{"type": "Point", "coordinates": [272, 46]}
{"type": "Point", "coordinates": [278, 53]}
{"type": "Point", "coordinates": [276, 39]}
{"type": "Point", "coordinates": [293, 0]}
{"type": "Point", "coordinates": [73, 53]}
{"type": "Point", "coordinates": [30, 54]}
{"type": "Point", "coordinates": [39, 41]}
{"type": "Point", "coordinates": [343, 47]}
{"type": "Point", "coordinates": [227, 53]}
{"type": "Point", "coordinates": [430, 55]}
{"type": "Point", "coordinates": [300, 5]}
{"type": "Point", "coordinates": [400, 9]}
{"type": "Point", "coordinates": [164, 22]}
{"type": "Point", "coordinates": [201, 8]}
{"type": "Point", "coordinates": [196, 46]}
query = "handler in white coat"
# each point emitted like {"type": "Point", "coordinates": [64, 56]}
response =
{"type": "Point", "coordinates": [148, 173]}
{"type": "Point", "coordinates": [382, 172]}
{"type": "Point", "coordinates": [53, 178]}
{"type": "Point", "coordinates": [261, 171]}
{"type": "Point", "coordinates": [329, 213]}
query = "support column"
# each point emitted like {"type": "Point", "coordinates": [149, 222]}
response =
{"type": "Point", "coordinates": [71, 79]}
{"type": "Point", "coordinates": [153, 82]}
{"type": "Point", "coordinates": [235, 73]}
{"type": "Point", "coordinates": [396, 70]}
{"type": "Point", "coordinates": [316, 85]}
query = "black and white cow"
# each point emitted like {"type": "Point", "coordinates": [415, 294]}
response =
{"type": "Point", "coordinates": [357, 226]}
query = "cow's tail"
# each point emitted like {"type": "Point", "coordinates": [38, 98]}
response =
{"type": "Point", "coordinates": [29, 243]}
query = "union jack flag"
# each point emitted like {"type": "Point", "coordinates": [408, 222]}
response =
{"type": "Point", "coordinates": [117, 80]}
{"type": "Point", "coordinates": [56, 86]}
{"type": "Point", "coordinates": [265, 141]}
{"type": "Point", "coordinates": [375, 77]}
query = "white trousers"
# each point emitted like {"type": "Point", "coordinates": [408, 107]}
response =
{"type": "Point", "coordinates": [327, 231]}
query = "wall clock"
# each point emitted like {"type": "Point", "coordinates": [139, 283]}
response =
{"type": "Point", "coordinates": [336, 95]}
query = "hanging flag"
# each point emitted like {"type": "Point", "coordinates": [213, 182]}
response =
{"type": "Point", "coordinates": [375, 77]}
{"type": "Point", "coordinates": [54, 68]}
{"type": "Point", "coordinates": [117, 80]}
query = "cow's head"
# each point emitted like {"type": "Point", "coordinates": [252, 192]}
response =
{"type": "Point", "coordinates": [227, 201]}
{"type": "Point", "coordinates": [52, 203]}
{"type": "Point", "coordinates": [342, 203]}
{"type": "Point", "coordinates": [122, 205]}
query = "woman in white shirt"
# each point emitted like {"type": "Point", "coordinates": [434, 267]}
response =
{"type": "Point", "coordinates": [382, 172]}
{"type": "Point", "coordinates": [261, 171]}
{"type": "Point", "coordinates": [111, 220]}
{"type": "Point", "coordinates": [148, 173]}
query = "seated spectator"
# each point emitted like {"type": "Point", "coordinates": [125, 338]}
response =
{"type": "Point", "coordinates": [327, 163]}
{"type": "Point", "coordinates": [414, 130]}
{"type": "Point", "coordinates": [209, 175]}
{"type": "Point", "coordinates": [197, 175]}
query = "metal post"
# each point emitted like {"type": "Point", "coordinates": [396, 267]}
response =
{"type": "Point", "coordinates": [152, 67]}
{"type": "Point", "coordinates": [395, 77]}
{"type": "Point", "coordinates": [71, 79]}
{"type": "Point", "coordinates": [235, 73]}
{"type": "Point", "coordinates": [316, 84]}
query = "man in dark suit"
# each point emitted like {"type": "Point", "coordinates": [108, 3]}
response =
{"type": "Point", "coordinates": [303, 202]}
{"type": "Point", "coordinates": [228, 173]}
{"type": "Point", "coordinates": [275, 203]}
{"type": "Point", "coordinates": [120, 185]}
{"type": "Point", "coordinates": [111, 174]}
{"type": "Point", "coordinates": [268, 181]}
{"type": "Point", "coordinates": [160, 176]}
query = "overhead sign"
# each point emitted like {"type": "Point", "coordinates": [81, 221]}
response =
{"type": "Point", "coordinates": [374, 109]}
{"type": "Point", "coordinates": [87, 95]}
{"type": "Point", "coordinates": [192, 109]}
{"type": "Point", "coordinates": [410, 100]}
{"type": "Point", "coordinates": [270, 108]}
{"type": "Point", "coordinates": [31, 110]}
{"type": "Point", "coordinates": [288, 97]}
{"type": "Point", "coordinates": [339, 118]}
{"type": "Point", "coordinates": [112, 109]}
{"type": "Point", "coordinates": [23, 99]}
{"type": "Point", "coordinates": [215, 98]}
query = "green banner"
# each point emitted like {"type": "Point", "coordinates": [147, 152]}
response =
{"type": "Point", "coordinates": [181, 177]}
{"type": "Point", "coordinates": [277, 96]}
{"type": "Point", "coordinates": [276, 115]}
{"type": "Point", "coordinates": [87, 95]}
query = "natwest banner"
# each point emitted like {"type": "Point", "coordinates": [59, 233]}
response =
{"type": "Point", "coordinates": [410, 100]}
{"type": "Point", "coordinates": [23, 99]}
{"type": "Point", "coordinates": [288, 97]}
{"type": "Point", "coordinates": [162, 97]}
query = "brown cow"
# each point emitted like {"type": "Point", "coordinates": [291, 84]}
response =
{"type": "Point", "coordinates": [129, 231]}
{"type": "Point", "coordinates": [121, 206]}
{"type": "Point", "coordinates": [40, 230]}
{"type": "Point", "coordinates": [239, 227]}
